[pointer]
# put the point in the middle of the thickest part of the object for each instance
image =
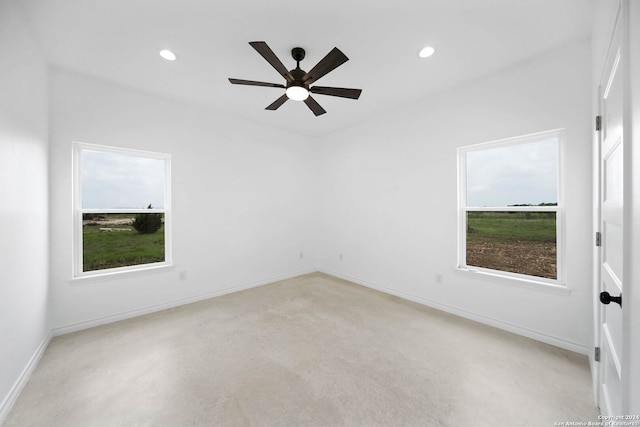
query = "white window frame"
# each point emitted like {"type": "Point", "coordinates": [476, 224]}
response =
{"type": "Point", "coordinates": [558, 284]}
{"type": "Point", "coordinates": [78, 211]}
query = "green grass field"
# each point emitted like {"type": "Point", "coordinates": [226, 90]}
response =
{"type": "Point", "coordinates": [104, 249]}
{"type": "Point", "coordinates": [505, 227]}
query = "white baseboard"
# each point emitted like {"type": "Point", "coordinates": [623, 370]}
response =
{"type": "Point", "coordinates": [12, 396]}
{"type": "Point", "coordinates": [74, 327]}
{"type": "Point", "coordinates": [507, 326]}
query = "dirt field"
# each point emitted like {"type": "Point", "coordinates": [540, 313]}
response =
{"type": "Point", "coordinates": [531, 258]}
{"type": "Point", "coordinates": [106, 222]}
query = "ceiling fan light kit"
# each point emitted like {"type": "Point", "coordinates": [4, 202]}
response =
{"type": "Point", "coordinates": [297, 93]}
{"type": "Point", "coordinates": [298, 81]}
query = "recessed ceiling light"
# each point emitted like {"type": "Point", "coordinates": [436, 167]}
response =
{"type": "Point", "coordinates": [168, 55]}
{"type": "Point", "coordinates": [426, 52]}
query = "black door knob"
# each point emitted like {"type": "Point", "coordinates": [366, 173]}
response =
{"type": "Point", "coordinates": [606, 298]}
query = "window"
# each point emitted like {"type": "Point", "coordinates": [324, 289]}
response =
{"type": "Point", "coordinates": [122, 209]}
{"type": "Point", "coordinates": [510, 216]}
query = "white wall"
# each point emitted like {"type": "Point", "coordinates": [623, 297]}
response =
{"type": "Point", "coordinates": [242, 199]}
{"type": "Point", "coordinates": [23, 204]}
{"type": "Point", "coordinates": [389, 196]}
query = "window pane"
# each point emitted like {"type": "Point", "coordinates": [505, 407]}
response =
{"type": "Point", "coordinates": [517, 242]}
{"type": "Point", "coordinates": [121, 181]}
{"type": "Point", "coordinates": [516, 174]}
{"type": "Point", "coordinates": [111, 240]}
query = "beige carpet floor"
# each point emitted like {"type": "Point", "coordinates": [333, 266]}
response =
{"type": "Point", "coordinates": [309, 351]}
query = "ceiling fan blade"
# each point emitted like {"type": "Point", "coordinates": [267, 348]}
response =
{"type": "Point", "coordinates": [333, 60]}
{"type": "Point", "coordinates": [314, 106]}
{"type": "Point", "coordinates": [278, 102]}
{"type": "Point", "coordinates": [337, 91]}
{"type": "Point", "coordinates": [254, 83]}
{"type": "Point", "coordinates": [266, 52]}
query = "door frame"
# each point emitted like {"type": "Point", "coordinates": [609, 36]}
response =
{"type": "Point", "coordinates": [631, 116]}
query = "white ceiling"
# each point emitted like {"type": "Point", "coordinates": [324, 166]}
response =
{"type": "Point", "coordinates": [119, 40]}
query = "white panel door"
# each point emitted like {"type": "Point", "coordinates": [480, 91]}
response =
{"type": "Point", "coordinates": [611, 227]}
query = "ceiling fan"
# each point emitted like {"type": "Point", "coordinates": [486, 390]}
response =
{"type": "Point", "coordinates": [298, 81]}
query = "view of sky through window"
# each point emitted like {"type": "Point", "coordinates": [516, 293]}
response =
{"type": "Point", "coordinates": [513, 174]}
{"type": "Point", "coordinates": [121, 181]}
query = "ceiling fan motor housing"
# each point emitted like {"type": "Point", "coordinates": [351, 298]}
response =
{"type": "Point", "coordinates": [298, 74]}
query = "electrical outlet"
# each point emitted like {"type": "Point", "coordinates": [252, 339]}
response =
{"type": "Point", "coordinates": [438, 279]}
{"type": "Point", "coordinates": [301, 255]}
{"type": "Point", "coordinates": [182, 275]}
{"type": "Point", "coordinates": [340, 256]}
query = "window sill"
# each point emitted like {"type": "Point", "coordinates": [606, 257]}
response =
{"type": "Point", "coordinates": [119, 273]}
{"type": "Point", "coordinates": [524, 282]}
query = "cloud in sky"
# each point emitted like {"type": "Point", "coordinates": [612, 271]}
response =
{"type": "Point", "coordinates": [514, 174]}
{"type": "Point", "coordinates": [120, 181]}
